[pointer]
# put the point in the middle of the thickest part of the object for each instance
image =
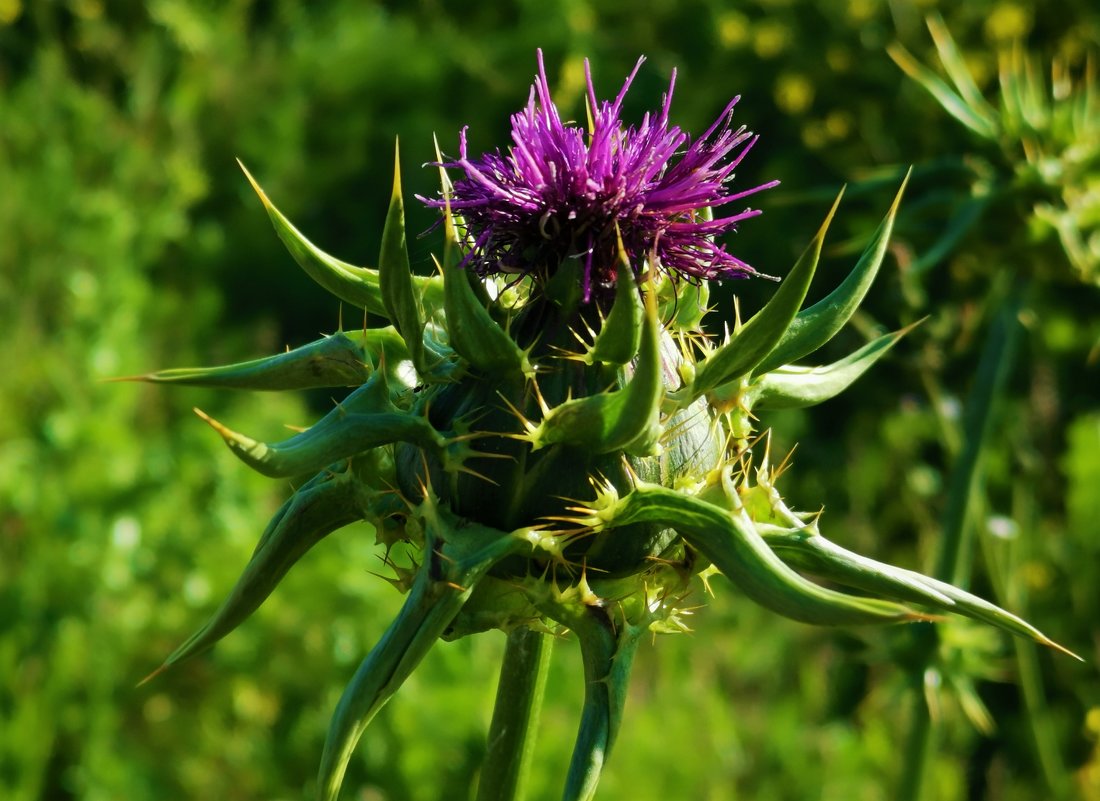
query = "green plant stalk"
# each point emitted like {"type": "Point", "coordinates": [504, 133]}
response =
{"type": "Point", "coordinates": [1028, 674]}
{"type": "Point", "coordinates": [1050, 761]}
{"type": "Point", "coordinates": [515, 716]}
{"type": "Point", "coordinates": [956, 545]}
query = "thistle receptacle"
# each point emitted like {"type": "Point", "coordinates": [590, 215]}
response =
{"type": "Point", "coordinates": [546, 422]}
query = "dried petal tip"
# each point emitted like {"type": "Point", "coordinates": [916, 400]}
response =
{"type": "Point", "coordinates": [561, 190]}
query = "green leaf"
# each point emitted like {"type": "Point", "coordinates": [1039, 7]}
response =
{"type": "Point", "coordinates": [956, 68]}
{"type": "Point", "coordinates": [355, 285]}
{"type": "Point", "coordinates": [366, 419]}
{"type": "Point", "coordinates": [816, 325]}
{"type": "Point", "coordinates": [621, 335]}
{"type": "Point", "coordinates": [332, 361]}
{"type": "Point", "coordinates": [395, 279]}
{"type": "Point", "coordinates": [814, 553]}
{"type": "Point", "coordinates": [976, 119]}
{"type": "Point", "coordinates": [798, 387]}
{"type": "Point", "coordinates": [323, 505]}
{"type": "Point", "coordinates": [457, 556]}
{"type": "Point", "coordinates": [728, 538]}
{"type": "Point", "coordinates": [758, 337]}
{"type": "Point", "coordinates": [474, 334]}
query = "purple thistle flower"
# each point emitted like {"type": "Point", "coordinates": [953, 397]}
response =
{"type": "Point", "coordinates": [561, 191]}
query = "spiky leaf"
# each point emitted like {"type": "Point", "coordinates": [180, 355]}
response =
{"type": "Point", "coordinates": [816, 325]}
{"type": "Point", "coordinates": [798, 387]}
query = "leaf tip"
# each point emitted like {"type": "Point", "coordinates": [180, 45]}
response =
{"type": "Point", "coordinates": [255, 185]}
{"type": "Point", "coordinates": [152, 675]}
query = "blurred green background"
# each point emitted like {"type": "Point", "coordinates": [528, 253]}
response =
{"type": "Point", "coordinates": [129, 241]}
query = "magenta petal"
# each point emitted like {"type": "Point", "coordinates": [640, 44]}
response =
{"type": "Point", "coordinates": [561, 191]}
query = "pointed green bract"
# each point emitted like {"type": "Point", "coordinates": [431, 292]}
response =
{"type": "Point", "coordinates": [338, 436]}
{"type": "Point", "coordinates": [355, 285]}
{"type": "Point", "coordinates": [816, 554]}
{"type": "Point", "coordinates": [366, 419]}
{"type": "Point", "coordinates": [813, 327]}
{"type": "Point", "coordinates": [317, 509]}
{"type": "Point", "coordinates": [456, 556]}
{"type": "Point", "coordinates": [474, 334]}
{"type": "Point", "coordinates": [798, 387]}
{"type": "Point", "coordinates": [622, 419]}
{"type": "Point", "coordinates": [755, 340]}
{"type": "Point", "coordinates": [395, 279]}
{"type": "Point", "coordinates": [730, 541]}
{"type": "Point", "coordinates": [332, 361]}
{"type": "Point", "coordinates": [621, 336]}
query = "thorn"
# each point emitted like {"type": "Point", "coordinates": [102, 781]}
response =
{"type": "Point", "coordinates": [527, 424]}
{"type": "Point", "coordinates": [119, 378]}
{"type": "Point", "coordinates": [228, 434]}
{"type": "Point", "coordinates": [635, 480]}
{"type": "Point", "coordinates": [785, 464]}
{"type": "Point", "coordinates": [1052, 644]}
{"type": "Point", "coordinates": [541, 400]}
{"type": "Point", "coordinates": [165, 667]}
{"type": "Point", "coordinates": [255, 186]}
{"type": "Point", "coordinates": [476, 474]}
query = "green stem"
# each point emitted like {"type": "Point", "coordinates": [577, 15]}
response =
{"type": "Point", "coordinates": [998, 355]}
{"type": "Point", "coordinates": [1042, 733]}
{"type": "Point", "coordinates": [515, 716]}
{"type": "Point", "coordinates": [956, 544]}
{"type": "Point", "coordinates": [1028, 673]}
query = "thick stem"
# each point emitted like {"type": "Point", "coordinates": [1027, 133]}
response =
{"type": "Point", "coordinates": [515, 717]}
{"type": "Point", "coordinates": [956, 544]}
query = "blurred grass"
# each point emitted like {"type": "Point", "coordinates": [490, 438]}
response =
{"type": "Point", "coordinates": [129, 241]}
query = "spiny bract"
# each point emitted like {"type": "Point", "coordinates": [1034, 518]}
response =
{"type": "Point", "coordinates": [545, 423]}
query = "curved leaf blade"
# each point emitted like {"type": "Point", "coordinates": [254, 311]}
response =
{"type": "Point", "coordinates": [977, 120]}
{"type": "Point", "coordinates": [814, 553]}
{"type": "Point", "coordinates": [728, 538]}
{"type": "Point", "coordinates": [751, 345]}
{"type": "Point", "coordinates": [457, 557]}
{"type": "Point", "coordinates": [355, 285]}
{"type": "Point", "coordinates": [395, 278]}
{"type": "Point", "coordinates": [816, 325]}
{"type": "Point", "coordinates": [799, 387]}
{"type": "Point", "coordinates": [323, 505]}
{"type": "Point", "coordinates": [332, 361]}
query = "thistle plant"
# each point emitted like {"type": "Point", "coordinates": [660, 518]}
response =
{"type": "Point", "coordinates": [544, 426]}
{"type": "Point", "coordinates": [1037, 148]}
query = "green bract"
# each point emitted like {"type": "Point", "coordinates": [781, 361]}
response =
{"type": "Point", "coordinates": [560, 465]}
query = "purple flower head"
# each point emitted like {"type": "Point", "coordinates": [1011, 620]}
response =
{"type": "Point", "coordinates": [564, 192]}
